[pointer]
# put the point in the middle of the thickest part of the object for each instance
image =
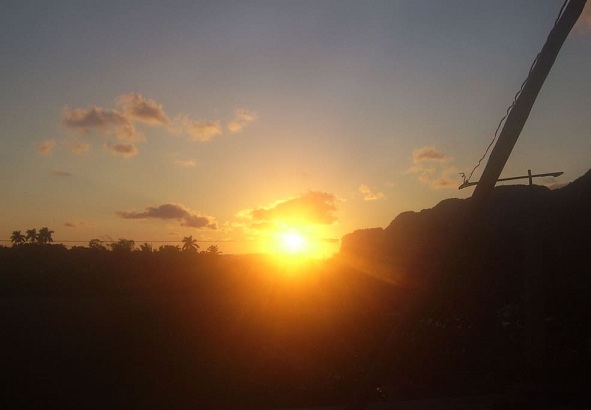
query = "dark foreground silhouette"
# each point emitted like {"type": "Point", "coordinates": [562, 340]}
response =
{"type": "Point", "coordinates": [91, 328]}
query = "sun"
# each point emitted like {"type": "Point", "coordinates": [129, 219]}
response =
{"type": "Point", "coordinates": [293, 242]}
{"type": "Point", "coordinates": [296, 243]}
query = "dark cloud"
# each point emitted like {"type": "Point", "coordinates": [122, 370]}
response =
{"type": "Point", "coordinates": [311, 208]}
{"type": "Point", "coordinates": [177, 212]}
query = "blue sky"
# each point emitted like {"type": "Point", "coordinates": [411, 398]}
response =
{"type": "Point", "coordinates": [346, 112]}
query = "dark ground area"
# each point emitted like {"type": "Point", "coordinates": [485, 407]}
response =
{"type": "Point", "coordinates": [91, 328]}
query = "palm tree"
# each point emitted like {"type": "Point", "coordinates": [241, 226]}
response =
{"type": "Point", "coordinates": [190, 244]}
{"type": "Point", "coordinates": [32, 235]}
{"type": "Point", "coordinates": [146, 247]}
{"type": "Point", "coordinates": [17, 238]}
{"type": "Point", "coordinates": [213, 250]}
{"type": "Point", "coordinates": [44, 235]}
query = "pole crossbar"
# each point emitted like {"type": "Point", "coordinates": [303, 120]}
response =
{"type": "Point", "coordinates": [549, 174]}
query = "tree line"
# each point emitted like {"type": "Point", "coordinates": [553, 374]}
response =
{"type": "Point", "coordinates": [45, 236]}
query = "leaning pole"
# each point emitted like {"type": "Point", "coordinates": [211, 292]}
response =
{"type": "Point", "coordinates": [524, 103]}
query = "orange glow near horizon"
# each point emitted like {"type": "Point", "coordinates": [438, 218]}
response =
{"type": "Point", "coordinates": [292, 243]}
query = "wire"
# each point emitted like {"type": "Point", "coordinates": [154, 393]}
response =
{"type": "Point", "coordinates": [510, 108]}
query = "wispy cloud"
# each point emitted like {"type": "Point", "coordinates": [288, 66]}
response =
{"type": "Point", "coordinates": [79, 224]}
{"type": "Point", "coordinates": [60, 173]}
{"type": "Point", "coordinates": [369, 194]}
{"type": "Point", "coordinates": [136, 107]}
{"type": "Point", "coordinates": [242, 118]}
{"type": "Point", "coordinates": [448, 178]}
{"type": "Point", "coordinates": [201, 130]}
{"type": "Point", "coordinates": [178, 212]}
{"type": "Point", "coordinates": [185, 163]}
{"type": "Point", "coordinates": [106, 121]}
{"type": "Point", "coordinates": [46, 147]}
{"type": "Point", "coordinates": [315, 208]}
{"type": "Point", "coordinates": [133, 108]}
{"type": "Point", "coordinates": [79, 148]}
{"type": "Point", "coordinates": [124, 150]}
{"type": "Point", "coordinates": [429, 154]}
{"type": "Point", "coordinates": [427, 164]}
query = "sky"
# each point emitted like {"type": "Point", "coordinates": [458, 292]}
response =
{"type": "Point", "coordinates": [237, 122]}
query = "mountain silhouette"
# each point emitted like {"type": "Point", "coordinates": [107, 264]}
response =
{"type": "Point", "coordinates": [415, 244]}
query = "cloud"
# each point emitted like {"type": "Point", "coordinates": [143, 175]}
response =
{"type": "Point", "coordinates": [178, 212]}
{"type": "Point", "coordinates": [201, 130]}
{"type": "Point", "coordinates": [60, 173]}
{"type": "Point", "coordinates": [428, 153]}
{"type": "Point", "coordinates": [186, 163]}
{"type": "Point", "coordinates": [132, 108]}
{"type": "Point", "coordinates": [446, 178]}
{"type": "Point", "coordinates": [46, 147]}
{"type": "Point", "coordinates": [369, 194]}
{"type": "Point", "coordinates": [310, 208]}
{"type": "Point", "coordinates": [136, 107]}
{"type": "Point", "coordinates": [433, 174]}
{"type": "Point", "coordinates": [79, 148]}
{"type": "Point", "coordinates": [125, 150]}
{"type": "Point", "coordinates": [104, 120]}
{"type": "Point", "coordinates": [583, 25]}
{"type": "Point", "coordinates": [242, 118]}
{"type": "Point", "coordinates": [79, 224]}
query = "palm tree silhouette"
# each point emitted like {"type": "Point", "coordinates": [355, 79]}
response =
{"type": "Point", "coordinates": [17, 238]}
{"type": "Point", "coordinates": [146, 247]}
{"type": "Point", "coordinates": [44, 235]}
{"type": "Point", "coordinates": [190, 244]}
{"type": "Point", "coordinates": [32, 235]}
{"type": "Point", "coordinates": [213, 250]}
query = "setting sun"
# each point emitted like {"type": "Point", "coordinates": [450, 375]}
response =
{"type": "Point", "coordinates": [293, 242]}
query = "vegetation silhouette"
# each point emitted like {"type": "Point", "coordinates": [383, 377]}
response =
{"type": "Point", "coordinates": [131, 328]}
{"type": "Point", "coordinates": [190, 244]}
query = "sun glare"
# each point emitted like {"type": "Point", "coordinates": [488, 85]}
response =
{"type": "Point", "coordinates": [296, 243]}
{"type": "Point", "coordinates": [293, 243]}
